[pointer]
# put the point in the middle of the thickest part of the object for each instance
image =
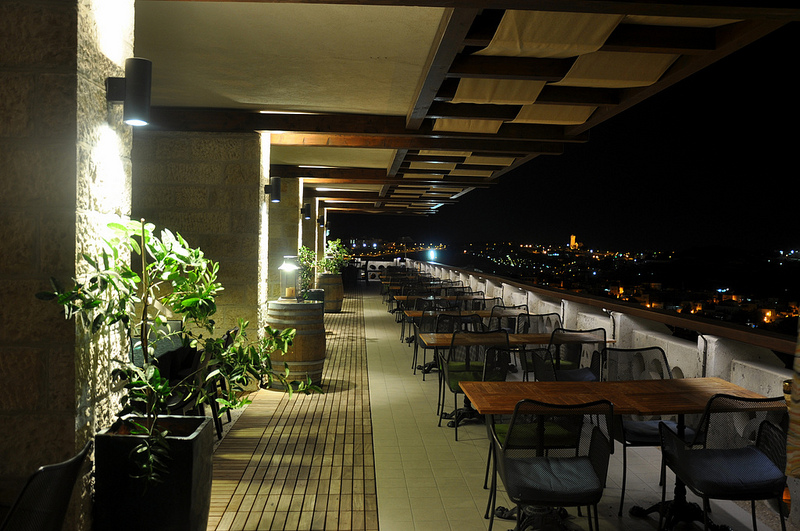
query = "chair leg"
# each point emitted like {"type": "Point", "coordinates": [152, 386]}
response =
{"type": "Point", "coordinates": [661, 509]}
{"type": "Point", "coordinates": [488, 464]}
{"type": "Point", "coordinates": [455, 414]}
{"type": "Point", "coordinates": [624, 477]}
{"type": "Point", "coordinates": [783, 520]}
{"type": "Point", "coordinates": [753, 512]}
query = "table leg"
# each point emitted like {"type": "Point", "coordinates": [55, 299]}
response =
{"type": "Point", "coordinates": [678, 509]}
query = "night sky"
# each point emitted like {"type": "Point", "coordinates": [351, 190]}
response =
{"type": "Point", "coordinates": [709, 161]}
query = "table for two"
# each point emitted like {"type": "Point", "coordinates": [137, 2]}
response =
{"type": "Point", "coordinates": [637, 397]}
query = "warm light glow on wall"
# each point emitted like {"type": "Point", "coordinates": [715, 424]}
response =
{"type": "Point", "coordinates": [114, 22]}
{"type": "Point", "coordinates": [108, 189]}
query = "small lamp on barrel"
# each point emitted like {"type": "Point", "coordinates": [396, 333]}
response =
{"type": "Point", "coordinates": [290, 278]}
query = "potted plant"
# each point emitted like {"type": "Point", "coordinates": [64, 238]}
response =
{"type": "Point", "coordinates": [330, 276]}
{"type": "Point", "coordinates": [159, 463]}
{"type": "Point", "coordinates": [307, 260]}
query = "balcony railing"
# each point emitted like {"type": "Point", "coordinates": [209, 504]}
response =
{"type": "Point", "coordinates": [751, 358]}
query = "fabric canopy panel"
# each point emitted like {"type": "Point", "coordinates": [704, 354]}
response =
{"type": "Point", "coordinates": [554, 114]}
{"type": "Point", "coordinates": [467, 126]}
{"type": "Point", "coordinates": [490, 161]}
{"type": "Point", "coordinates": [443, 153]}
{"type": "Point", "coordinates": [617, 70]}
{"type": "Point", "coordinates": [497, 91]}
{"type": "Point", "coordinates": [550, 34]}
{"type": "Point", "coordinates": [432, 166]}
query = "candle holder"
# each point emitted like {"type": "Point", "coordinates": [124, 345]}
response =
{"type": "Point", "coordinates": [290, 278]}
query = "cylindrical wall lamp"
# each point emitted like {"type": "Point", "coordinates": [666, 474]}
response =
{"type": "Point", "coordinates": [273, 189]}
{"type": "Point", "coordinates": [133, 90]}
{"type": "Point", "coordinates": [306, 211]}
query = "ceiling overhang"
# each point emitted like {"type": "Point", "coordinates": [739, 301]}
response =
{"type": "Point", "coordinates": [403, 107]}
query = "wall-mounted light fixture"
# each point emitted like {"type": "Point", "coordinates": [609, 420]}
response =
{"type": "Point", "coordinates": [321, 221]}
{"type": "Point", "coordinates": [306, 211]}
{"type": "Point", "coordinates": [133, 90]}
{"type": "Point", "coordinates": [273, 189]}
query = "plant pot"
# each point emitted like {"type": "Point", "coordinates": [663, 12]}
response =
{"type": "Point", "coordinates": [314, 295]}
{"type": "Point", "coordinates": [181, 502]}
{"type": "Point", "coordinates": [334, 291]}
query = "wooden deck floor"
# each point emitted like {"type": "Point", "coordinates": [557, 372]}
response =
{"type": "Point", "coordinates": [304, 462]}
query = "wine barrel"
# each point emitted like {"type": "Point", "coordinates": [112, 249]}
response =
{"type": "Point", "coordinates": [306, 356]}
{"type": "Point", "coordinates": [334, 291]}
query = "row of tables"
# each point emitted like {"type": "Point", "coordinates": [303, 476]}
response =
{"type": "Point", "coordinates": [679, 397]}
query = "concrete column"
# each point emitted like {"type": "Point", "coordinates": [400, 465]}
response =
{"type": "Point", "coordinates": [322, 232]}
{"type": "Point", "coordinates": [310, 227]}
{"type": "Point", "coordinates": [284, 232]}
{"type": "Point", "coordinates": [205, 186]}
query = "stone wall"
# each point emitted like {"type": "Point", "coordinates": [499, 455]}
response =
{"type": "Point", "coordinates": [205, 186]}
{"type": "Point", "coordinates": [64, 171]}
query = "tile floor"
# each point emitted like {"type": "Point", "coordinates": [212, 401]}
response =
{"type": "Point", "coordinates": [320, 475]}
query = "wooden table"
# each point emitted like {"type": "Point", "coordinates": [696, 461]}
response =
{"type": "Point", "coordinates": [678, 396]}
{"type": "Point", "coordinates": [467, 297]}
{"type": "Point", "coordinates": [417, 314]}
{"type": "Point", "coordinates": [443, 340]}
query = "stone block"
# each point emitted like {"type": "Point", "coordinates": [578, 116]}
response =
{"type": "Point", "coordinates": [169, 146]}
{"type": "Point", "coordinates": [173, 197]}
{"type": "Point", "coordinates": [39, 439]}
{"type": "Point", "coordinates": [56, 246]}
{"type": "Point", "coordinates": [243, 173]}
{"type": "Point", "coordinates": [216, 147]}
{"type": "Point", "coordinates": [193, 173]}
{"type": "Point", "coordinates": [24, 381]}
{"type": "Point", "coordinates": [19, 242]}
{"type": "Point", "coordinates": [55, 105]}
{"type": "Point", "coordinates": [38, 175]}
{"type": "Point", "coordinates": [16, 104]}
{"type": "Point", "coordinates": [38, 35]}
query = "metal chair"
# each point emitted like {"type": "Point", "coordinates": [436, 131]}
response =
{"type": "Point", "coordinates": [42, 504]}
{"type": "Point", "coordinates": [485, 359]}
{"type": "Point", "coordinates": [505, 317]}
{"type": "Point", "coordinates": [552, 456]}
{"type": "Point", "coordinates": [542, 323]}
{"type": "Point", "coordinates": [740, 454]}
{"type": "Point", "coordinates": [649, 363]}
{"type": "Point", "coordinates": [544, 369]}
{"type": "Point", "coordinates": [572, 349]}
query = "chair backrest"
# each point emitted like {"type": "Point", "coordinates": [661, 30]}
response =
{"type": "Point", "coordinates": [42, 503]}
{"type": "Point", "coordinates": [472, 352]}
{"type": "Point", "coordinates": [624, 364]}
{"type": "Point", "coordinates": [732, 422]}
{"type": "Point", "coordinates": [446, 306]}
{"type": "Point", "coordinates": [577, 346]}
{"type": "Point", "coordinates": [543, 368]}
{"type": "Point", "coordinates": [496, 364]}
{"type": "Point", "coordinates": [538, 323]}
{"type": "Point", "coordinates": [536, 427]}
{"type": "Point", "coordinates": [477, 303]}
{"type": "Point", "coordinates": [421, 303]}
{"type": "Point", "coordinates": [472, 322]}
{"type": "Point", "coordinates": [505, 317]}
{"type": "Point", "coordinates": [427, 322]}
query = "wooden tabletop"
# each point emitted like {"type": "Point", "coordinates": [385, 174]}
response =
{"type": "Point", "coordinates": [465, 297]}
{"type": "Point", "coordinates": [440, 340]}
{"type": "Point", "coordinates": [640, 397]}
{"type": "Point", "coordinates": [416, 314]}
